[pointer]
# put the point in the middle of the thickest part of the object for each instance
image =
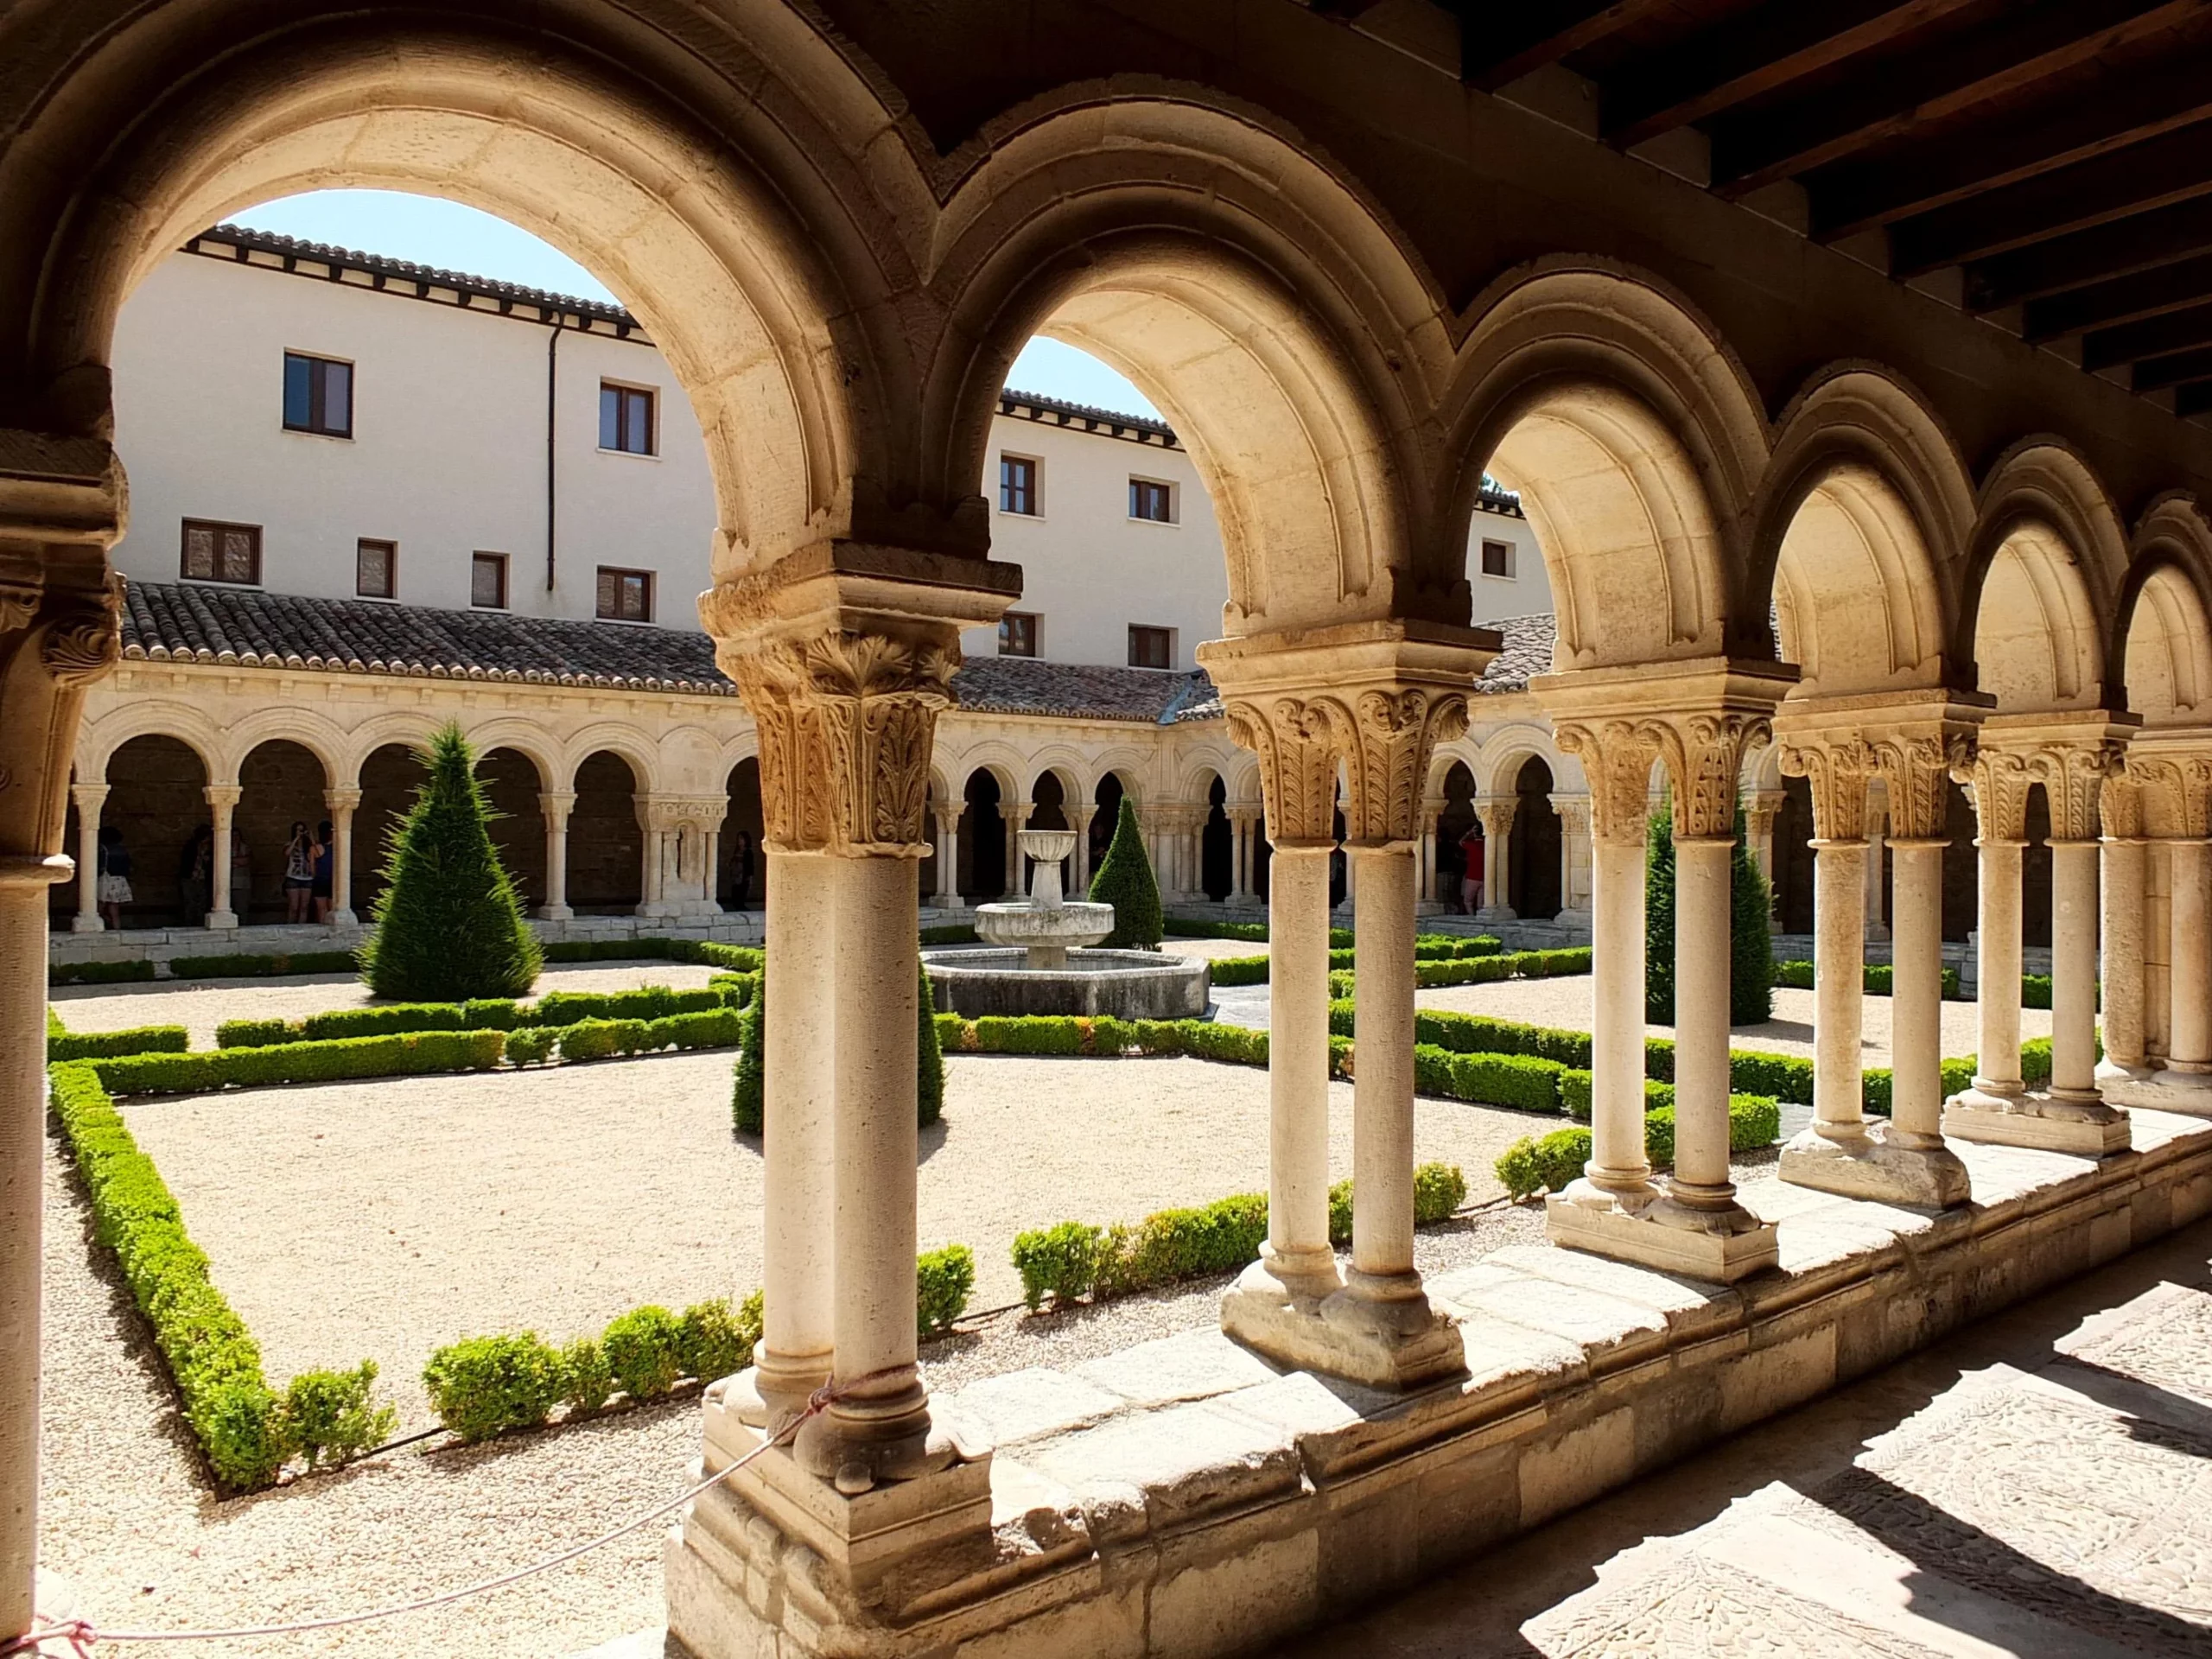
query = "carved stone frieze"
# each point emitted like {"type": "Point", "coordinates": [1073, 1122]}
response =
{"type": "Point", "coordinates": [1839, 770]}
{"type": "Point", "coordinates": [1617, 756]}
{"type": "Point", "coordinates": [1296, 741]}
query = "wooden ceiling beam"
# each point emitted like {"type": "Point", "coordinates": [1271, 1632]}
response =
{"type": "Point", "coordinates": [2157, 373]}
{"type": "Point", "coordinates": [1500, 41]}
{"type": "Point", "coordinates": [1749, 56]}
{"type": "Point", "coordinates": [2126, 248]}
{"type": "Point", "coordinates": [2156, 292]}
{"type": "Point", "coordinates": [2193, 400]}
{"type": "Point", "coordinates": [2173, 168]}
{"type": "Point", "coordinates": [2177, 331]}
{"type": "Point", "coordinates": [2056, 133]}
{"type": "Point", "coordinates": [2012, 51]}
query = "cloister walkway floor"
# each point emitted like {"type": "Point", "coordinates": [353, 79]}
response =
{"type": "Point", "coordinates": [2039, 1485]}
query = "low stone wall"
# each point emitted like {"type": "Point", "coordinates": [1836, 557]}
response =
{"type": "Point", "coordinates": [1184, 1499]}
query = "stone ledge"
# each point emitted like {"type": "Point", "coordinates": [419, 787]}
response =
{"type": "Point", "coordinates": [1184, 1499]}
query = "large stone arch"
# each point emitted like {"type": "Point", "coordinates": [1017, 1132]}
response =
{"type": "Point", "coordinates": [755, 274]}
{"type": "Point", "coordinates": [2047, 561]}
{"type": "Point", "coordinates": [315, 732]}
{"type": "Point", "coordinates": [99, 739]}
{"type": "Point", "coordinates": [1262, 303]}
{"type": "Point", "coordinates": [631, 745]}
{"type": "Point", "coordinates": [2163, 647]}
{"type": "Point", "coordinates": [1862, 529]}
{"type": "Point", "coordinates": [527, 737]}
{"type": "Point", "coordinates": [1636, 443]}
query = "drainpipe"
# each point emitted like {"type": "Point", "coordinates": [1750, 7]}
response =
{"type": "Point", "coordinates": [552, 384]}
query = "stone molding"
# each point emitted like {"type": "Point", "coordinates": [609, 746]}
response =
{"type": "Point", "coordinates": [664, 813]}
{"type": "Point", "coordinates": [2071, 756]}
{"type": "Point", "coordinates": [2172, 772]}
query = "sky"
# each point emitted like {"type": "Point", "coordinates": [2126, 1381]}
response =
{"type": "Point", "coordinates": [432, 232]}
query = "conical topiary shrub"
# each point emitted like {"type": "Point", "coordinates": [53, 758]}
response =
{"type": "Point", "coordinates": [448, 926]}
{"type": "Point", "coordinates": [1124, 881]}
{"type": "Point", "coordinates": [1751, 966]}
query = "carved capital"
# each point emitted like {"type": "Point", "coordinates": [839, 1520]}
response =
{"type": "Point", "coordinates": [1917, 773]}
{"type": "Point", "coordinates": [341, 799]}
{"type": "Point", "coordinates": [222, 795]}
{"type": "Point", "coordinates": [1838, 769]}
{"type": "Point", "coordinates": [2000, 779]}
{"type": "Point", "coordinates": [1617, 756]}
{"type": "Point", "coordinates": [557, 805]}
{"type": "Point", "coordinates": [2121, 811]}
{"type": "Point", "coordinates": [847, 722]}
{"type": "Point", "coordinates": [1391, 735]}
{"type": "Point", "coordinates": [1496, 817]}
{"type": "Point", "coordinates": [83, 639]}
{"type": "Point", "coordinates": [1704, 754]}
{"type": "Point", "coordinates": [2175, 786]}
{"type": "Point", "coordinates": [2073, 777]}
{"type": "Point", "coordinates": [1296, 741]}
{"type": "Point", "coordinates": [1573, 815]}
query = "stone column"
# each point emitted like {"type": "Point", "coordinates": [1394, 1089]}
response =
{"type": "Point", "coordinates": [1015, 816]}
{"type": "Point", "coordinates": [1761, 807]}
{"type": "Point", "coordinates": [1699, 716]}
{"type": "Point", "coordinates": [1080, 817]}
{"type": "Point", "coordinates": [1841, 750]}
{"type": "Point", "coordinates": [2175, 772]}
{"type": "Point", "coordinates": [947, 857]}
{"type": "Point", "coordinates": [1872, 885]}
{"type": "Point", "coordinates": [556, 803]}
{"type": "Point", "coordinates": [89, 798]}
{"type": "Point", "coordinates": [1574, 854]}
{"type": "Point", "coordinates": [2127, 857]}
{"type": "Point", "coordinates": [2070, 756]}
{"type": "Point", "coordinates": [340, 803]}
{"type": "Point", "coordinates": [1496, 816]}
{"type": "Point", "coordinates": [222, 801]}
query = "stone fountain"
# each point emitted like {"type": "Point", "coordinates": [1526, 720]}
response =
{"type": "Point", "coordinates": [1039, 958]}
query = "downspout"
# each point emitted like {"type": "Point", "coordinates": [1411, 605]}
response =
{"type": "Point", "coordinates": [552, 384]}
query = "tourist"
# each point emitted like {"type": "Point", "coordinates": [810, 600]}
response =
{"type": "Point", "coordinates": [241, 874]}
{"type": "Point", "coordinates": [114, 876]}
{"type": "Point", "coordinates": [326, 868]}
{"type": "Point", "coordinates": [195, 869]}
{"type": "Point", "coordinates": [299, 872]}
{"type": "Point", "coordinates": [1470, 874]}
{"type": "Point", "coordinates": [741, 875]}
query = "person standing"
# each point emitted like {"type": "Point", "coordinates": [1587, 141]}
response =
{"type": "Point", "coordinates": [114, 874]}
{"type": "Point", "coordinates": [195, 871]}
{"type": "Point", "coordinates": [741, 875]}
{"type": "Point", "coordinates": [299, 872]}
{"type": "Point", "coordinates": [326, 868]}
{"type": "Point", "coordinates": [241, 874]}
{"type": "Point", "coordinates": [1470, 874]}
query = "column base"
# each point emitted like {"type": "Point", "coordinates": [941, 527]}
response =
{"type": "Point", "coordinates": [341, 919]}
{"type": "Point", "coordinates": [82, 924]}
{"type": "Point", "coordinates": [777, 1561]}
{"type": "Point", "coordinates": [1721, 1245]}
{"type": "Point", "coordinates": [222, 921]}
{"type": "Point", "coordinates": [2084, 1126]}
{"type": "Point", "coordinates": [1397, 1343]}
{"type": "Point", "coordinates": [1878, 1168]}
{"type": "Point", "coordinates": [1496, 915]}
{"type": "Point", "coordinates": [555, 913]}
{"type": "Point", "coordinates": [2165, 1089]}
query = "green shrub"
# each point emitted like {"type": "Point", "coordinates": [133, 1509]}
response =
{"type": "Point", "coordinates": [587, 1380]}
{"type": "Point", "coordinates": [102, 1045]}
{"type": "Point", "coordinates": [1340, 1213]}
{"type": "Point", "coordinates": [1174, 1244]}
{"type": "Point", "coordinates": [484, 1386]}
{"type": "Point", "coordinates": [951, 933]}
{"type": "Point", "coordinates": [329, 1417]}
{"type": "Point", "coordinates": [1439, 1191]}
{"type": "Point", "coordinates": [254, 1034]}
{"type": "Point", "coordinates": [749, 1100]}
{"type": "Point", "coordinates": [943, 1281]}
{"type": "Point", "coordinates": [1785, 1077]}
{"type": "Point", "coordinates": [407, 1055]}
{"type": "Point", "coordinates": [1124, 880]}
{"type": "Point", "coordinates": [712, 1341]}
{"type": "Point", "coordinates": [1530, 1165]}
{"type": "Point", "coordinates": [747, 1029]}
{"type": "Point", "coordinates": [1659, 1137]}
{"type": "Point", "coordinates": [252, 965]}
{"type": "Point", "coordinates": [929, 1053]}
{"type": "Point", "coordinates": [98, 973]}
{"type": "Point", "coordinates": [1754, 1121]}
{"type": "Point", "coordinates": [449, 924]}
{"type": "Point", "coordinates": [2035, 990]}
{"type": "Point", "coordinates": [1750, 932]}
{"type": "Point", "coordinates": [1240, 971]}
{"type": "Point", "coordinates": [642, 1348]}
{"type": "Point", "coordinates": [377, 1022]}
{"type": "Point", "coordinates": [1574, 1094]}
{"type": "Point", "coordinates": [1793, 975]}
{"type": "Point", "coordinates": [1184, 928]}
{"type": "Point", "coordinates": [1060, 1262]}
{"type": "Point", "coordinates": [530, 1046]}
{"type": "Point", "coordinates": [1522, 1082]}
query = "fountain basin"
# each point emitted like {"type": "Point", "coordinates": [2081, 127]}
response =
{"type": "Point", "coordinates": [1116, 984]}
{"type": "Point", "coordinates": [1047, 933]}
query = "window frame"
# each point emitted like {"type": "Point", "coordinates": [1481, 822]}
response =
{"type": "Point", "coordinates": [621, 573]}
{"type": "Point", "coordinates": [624, 390]}
{"type": "Point", "coordinates": [317, 423]}
{"type": "Point", "coordinates": [477, 559]}
{"type": "Point", "coordinates": [1167, 495]}
{"type": "Point", "coordinates": [1032, 618]}
{"type": "Point", "coordinates": [390, 567]}
{"type": "Point", "coordinates": [1512, 571]}
{"type": "Point", "coordinates": [1036, 485]}
{"type": "Point", "coordinates": [219, 525]}
{"type": "Point", "coordinates": [1165, 634]}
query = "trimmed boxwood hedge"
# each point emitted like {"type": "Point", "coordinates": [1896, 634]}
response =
{"type": "Point", "coordinates": [62, 1044]}
{"type": "Point", "coordinates": [1536, 1164]}
{"type": "Point", "coordinates": [404, 1054]}
{"type": "Point", "coordinates": [98, 973]}
{"type": "Point", "coordinates": [556, 1008]}
{"type": "Point", "coordinates": [264, 966]}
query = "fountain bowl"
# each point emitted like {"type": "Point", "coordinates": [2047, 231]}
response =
{"type": "Point", "coordinates": [1120, 984]}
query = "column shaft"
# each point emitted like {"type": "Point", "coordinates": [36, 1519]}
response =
{"type": "Point", "coordinates": [1618, 1163]}
{"type": "Point", "coordinates": [1702, 961]}
{"type": "Point", "coordinates": [557, 867]}
{"type": "Point", "coordinates": [1298, 1251]}
{"type": "Point", "coordinates": [1917, 994]}
{"type": "Point", "coordinates": [88, 865]}
{"type": "Point", "coordinates": [220, 911]}
{"type": "Point", "coordinates": [1998, 985]}
{"type": "Point", "coordinates": [798, 1145]}
{"type": "Point", "coordinates": [1383, 1087]}
{"type": "Point", "coordinates": [1839, 988]}
{"type": "Point", "coordinates": [2074, 968]}
{"type": "Point", "coordinates": [341, 867]}
{"type": "Point", "coordinates": [2122, 956]}
{"type": "Point", "coordinates": [2190, 1020]}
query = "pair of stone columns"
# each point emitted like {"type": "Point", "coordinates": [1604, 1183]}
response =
{"type": "Point", "coordinates": [683, 838]}
{"type": "Point", "coordinates": [1698, 717]}
{"type": "Point", "coordinates": [1374, 699]}
{"type": "Point", "coordinates": [2168, 782]}
{"type": "Point", "coordinates": [1496, 815]}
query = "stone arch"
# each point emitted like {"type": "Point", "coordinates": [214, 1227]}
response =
{"type": "Point", "coordinates": [1263, 305]}
{"type": "Point", "coordinates": [1863, 523]}
{"type": "Point", "coordinates": [607, 841]}
{"type": "Point", "coordinates": [1635, 441]}
{"type": "Point", "coordinates": [1064, 766]}
{"type": "Point", "coordinates": [407, 728]}
{"type": "Point", "coordinates": [1498, 762]}
{"type": "Point", "coordinates": [624, 740]}
{"type": "Point", "coordinates": [315, 732]}
{"type": "Point", "coordinates": [2047, 561]}
{"type": "Point", "coordinates": [513, 780]}
{"type": "Point", "coordinates": [715, 222]}
{"type": "Point", "coordinates": [158, 800]}
{"type": "Point", "coordinates": [527, 738]}
{"type": "Point", "coordinates": [97, 741]}
{"type": "Point", "coordinates": [2164, 644]}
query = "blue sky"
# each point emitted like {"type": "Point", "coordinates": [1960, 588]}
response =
{"type": "Point", "coordinates": [432, 232]}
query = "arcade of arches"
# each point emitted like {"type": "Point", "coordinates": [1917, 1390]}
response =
{"type": "Point", "coordinates": [1988, 571]}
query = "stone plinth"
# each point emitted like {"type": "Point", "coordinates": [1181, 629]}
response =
{"type": "Point", "coordinates": [1187, 1498]}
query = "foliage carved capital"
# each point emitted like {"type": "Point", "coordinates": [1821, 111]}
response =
{"type": "Point", "coordinates": [1296, 741]}
{"type": "Point", "coordinates": [1917, 772]}
{"type": "Point", "coordinates": [1704, 754]}
{"type": "Point", "coordinates": [1838, 769]}
{"type": "Point", "coordinates": [1391, 735]}
{"type": "Point", "coordinates": [2180, 784]}
{"type": "Point", "coordinates": [1617, 756]}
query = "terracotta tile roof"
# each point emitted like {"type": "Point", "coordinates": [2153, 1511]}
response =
{"type": "Point", "coordinates": [1529, 641]}
{"type": "Point", "coordinates": [195, 622]}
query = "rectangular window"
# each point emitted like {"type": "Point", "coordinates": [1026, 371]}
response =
{"type": "Point", "coordinates": [625, 595]}
{"type": "Point", "coordinates": [1018, 485]}
{"type": "Point", "coordinates": [1152, 647]}
{"type": "Point", "coordinates": [1151, 500]}
{"type": "Point", "coordinates": [376, 569]}
{"type": "Point", "coordinates": [487, 580]}
{"type": "Point", "coordinates": [318, 395]}
{"type": "Point", "coordinates": [1497, 559]}
{"type": "Point", "coordinates": [626, 419]}
{"type": "Point", "coordinates": [1018, 634]}
{"type": "Point", "coordinates": [219, 552]}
